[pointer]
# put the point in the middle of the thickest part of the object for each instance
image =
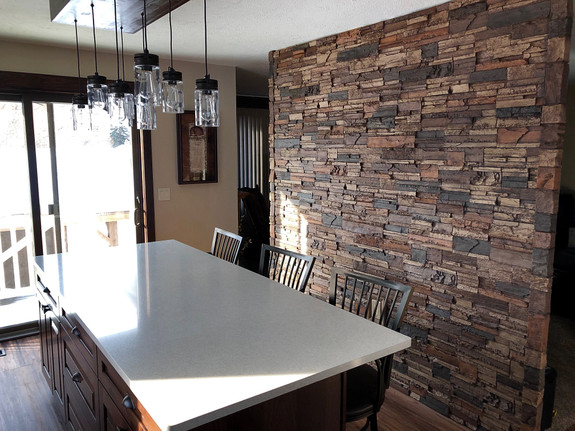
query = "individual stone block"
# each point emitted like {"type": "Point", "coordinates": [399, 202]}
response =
{"type": "Point", "coordinates": [358, 52]}
{"type": "Point", "coordinates": [470, 245]}
{"type": "Point", "coordinates": [518, 15]}
{"type": "Point", "coordinates": [286, 143]}
{"type": "Point", "coordinates": [488, 75]}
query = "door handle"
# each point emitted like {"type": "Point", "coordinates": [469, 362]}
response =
{"type": "Point", "coordinates": [139, 217]}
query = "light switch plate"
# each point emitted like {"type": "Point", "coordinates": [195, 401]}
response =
{"type": "Point", "coordinates": [163, 194]}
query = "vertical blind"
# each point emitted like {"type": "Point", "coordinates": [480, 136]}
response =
{"type": "Point", "coordinates": [253, 149]}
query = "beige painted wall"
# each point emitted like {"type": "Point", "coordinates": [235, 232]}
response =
{"type": "Point", "coordinates": [193, 210]}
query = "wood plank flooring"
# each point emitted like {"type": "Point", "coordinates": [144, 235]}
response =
{"type": "Point", "coordinates": [400, 412]}
{"type": "Point", "coordinates": [26, 402]}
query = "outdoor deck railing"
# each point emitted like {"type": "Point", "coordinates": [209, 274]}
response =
{"type": "Point", "coordinates": [17, 251]}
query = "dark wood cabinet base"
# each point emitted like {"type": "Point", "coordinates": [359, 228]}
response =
{"type": "Point", "coordinates": [312, 408]}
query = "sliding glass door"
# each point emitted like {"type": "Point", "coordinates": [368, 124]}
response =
{"type": "Point", "coordinates": [16, 231]}
{"type": "Point", "coordinates": [61, 191]}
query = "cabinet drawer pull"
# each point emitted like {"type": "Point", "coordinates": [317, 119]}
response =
{"type": "Point", "coordinates": [77, 377]}
{"type": "Point", "coordinates": [76, 331]}
{"type": "Point", "coordinates": [128, 403]}
{"type": "Point", "coordinates": [46, 308]}
{"type": "Point", "coordinates": [46, 290]}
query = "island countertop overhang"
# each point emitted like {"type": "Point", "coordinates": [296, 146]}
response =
{"type": "Point", "coordinates": [196, 338]}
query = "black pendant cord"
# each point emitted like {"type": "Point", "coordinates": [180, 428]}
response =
{"type": "Point", "coordinates": [78, 56]}
{"type": "Point", "coordinates": [171, 49]}
{"type": "Point", "coordinates": [117, 48]}
{"type": "Point", "coordinates": [122, 38]}
{"type": "Point", "coordinates": [205, 38]}
{"type": "Point", "coordinates": [143, 33]}
{"type": "Point", "coordinates": [145, 28]}
{"type": "Point", "coordinates": [94, 34]}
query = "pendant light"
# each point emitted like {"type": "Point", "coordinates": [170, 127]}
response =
{"type": "Point", "coordinates": [97, 87]}
{"type": "Point", "coordinates": [172, 85]}
{"type": "Point", "coordinates": [147, 84]}
{"type": "Point", "coordinates": [207, 101]}
{"type": "Point", "coordinates": [81, 112]}
{"type": "Point", "coordinates": [120, 98]}
{"type": "Point", "coordinates": [128, 96]}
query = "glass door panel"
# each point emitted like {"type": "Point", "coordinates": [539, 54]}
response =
{"type": "Point", "coordinates": [93, 197]}
{"type": "Point", "coordinates": [47, 177]}
{"type": "Point", "coordinates": [16, 237]}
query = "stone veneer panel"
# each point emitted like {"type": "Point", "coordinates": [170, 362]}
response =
{"type": "Point", "coordinates": [427, 149]}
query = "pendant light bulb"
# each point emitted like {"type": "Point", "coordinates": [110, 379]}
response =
{"type": "Point", "coordinates": [97, 87]}
{"type": "Point", "coordinates": [206, 96]}
{"type": "Point", "coordinates": [172, 84]}
{"type": "Point", "coordinates": [81, 112]}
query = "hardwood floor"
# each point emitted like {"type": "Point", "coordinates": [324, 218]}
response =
{"type": "Point", "coordinates": [402, 413]}
{"type": "Point", "coordinates": [26, 402]}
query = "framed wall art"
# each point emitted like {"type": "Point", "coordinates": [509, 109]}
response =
{"type": "Point", "coordinates": [197, 151]}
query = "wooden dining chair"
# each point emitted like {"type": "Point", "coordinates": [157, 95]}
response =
{"type": "Point", "coordinates": [383, 302]}
{"type": "Point", "coordinates": [226, 245]}
{"type": "Point", "coordinates": [286, 267]}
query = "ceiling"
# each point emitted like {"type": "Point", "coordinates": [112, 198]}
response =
{"type": "Point", "coordinates": [240, 32]}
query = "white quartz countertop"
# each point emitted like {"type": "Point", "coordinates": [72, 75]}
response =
{"type": "Point", "coordinates": [197, 338]}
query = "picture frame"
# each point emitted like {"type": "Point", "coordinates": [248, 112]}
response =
{"type": "Point", "coordinates": [197, 151]}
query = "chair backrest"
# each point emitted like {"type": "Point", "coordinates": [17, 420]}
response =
{"type": "Point", "coordinates": [226, 245]}
{"type": "Point", "coordinates": [381, 301]}
{"type": "Point", "coordinates": [286, 267]}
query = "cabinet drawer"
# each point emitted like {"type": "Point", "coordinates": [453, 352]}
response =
{"type": "Point", "coordinates": [45, 291]}
{"type": "Point", "coordinates": [81, 387]}
{"type": "Point", "coordinates": [110, 417]}
{"type": "Point", "coordinates": [123, 398]}
{"type": "Point", "coordinates": [79, 338]}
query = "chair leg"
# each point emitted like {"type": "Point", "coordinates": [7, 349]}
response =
{"type": "Point", "coordinates": [373, 421]}
{"type": "Point", "coordinates": [366, 426]}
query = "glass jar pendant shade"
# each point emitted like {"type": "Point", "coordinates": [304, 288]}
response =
{"type": "Point", "coordinates": [97, 87]}
{"type": "Point", "coordinates": [147, 82]}
{"type": "Point", "coordinates": [146, 89]}
{"type": "Point", "coordinates": [121, 104]}
{"type": "Point", "coordinates": [207, 102]}
{"type": "Point", "coordinates": [81, 113]}
{"type": "Point", "coordinates": [97, 91]}
{"type": "Point", "coordinates": [172, 92]}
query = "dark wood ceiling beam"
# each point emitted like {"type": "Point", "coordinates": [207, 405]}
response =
{"type": "Point", "coordinates": [129, 12]}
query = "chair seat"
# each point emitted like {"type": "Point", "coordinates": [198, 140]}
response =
{"type": "Point", "coordinates": [361, 393]}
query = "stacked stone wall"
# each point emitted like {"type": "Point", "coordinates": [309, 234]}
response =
{"type": "Point", "coordinates": [427, 149]}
